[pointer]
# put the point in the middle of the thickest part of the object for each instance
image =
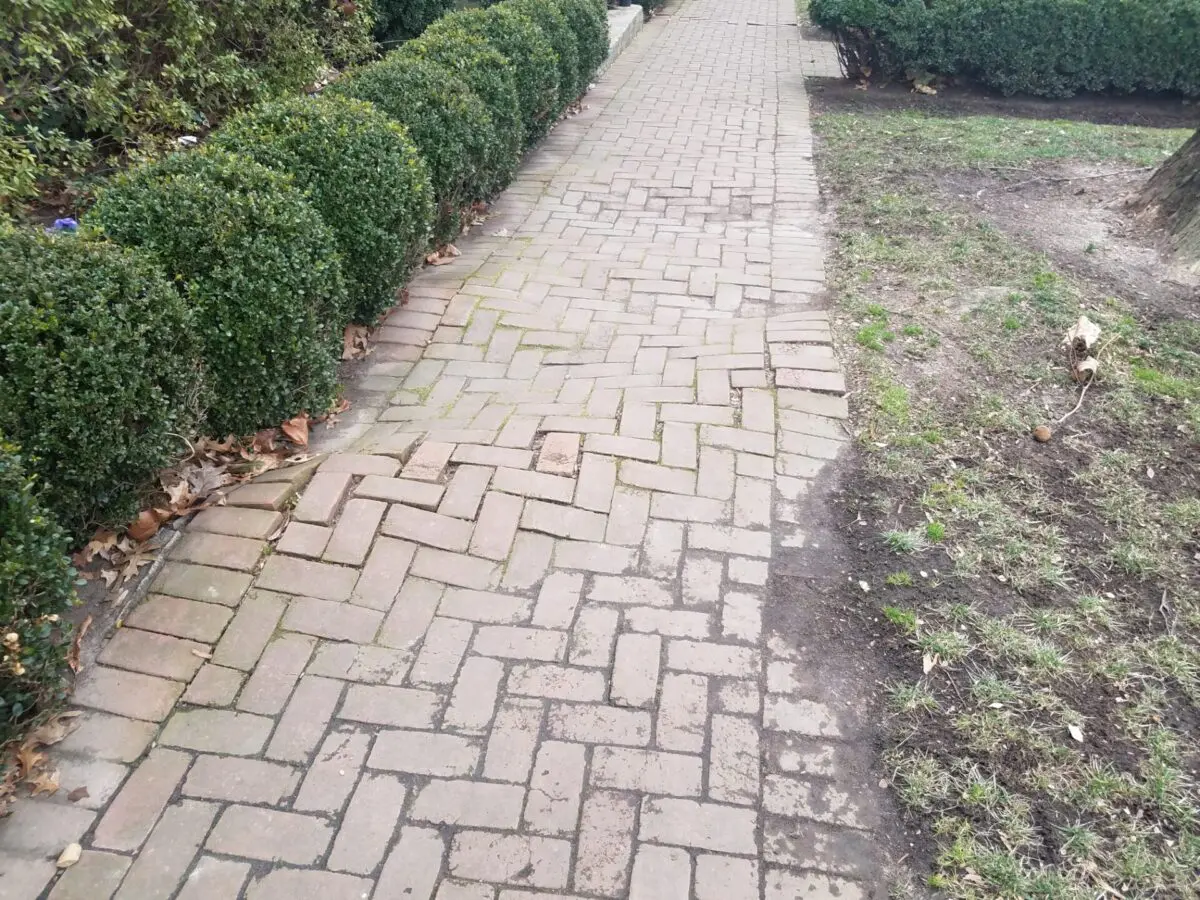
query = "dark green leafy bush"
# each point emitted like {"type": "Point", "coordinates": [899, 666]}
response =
{"type": "Point", "coordinates": [100, 367]}
{"type": "Point", "coordinates": [589, 20]}
{"type": "Point", "coordinates": [493, 80]}
{"type": "Point", "coordinates": [449, 125]}
{"type": "Point", "coordinates": [259, 269]}
{"type": "Point", "coordinates": [533, 59]}
{"type": "Point", "coordinates": [1044, 47]}
{"type": "Point", "coordinates": [363, 175]}
{"type": "Point", "coordinates": [401, 20]}
{"type": "Point", "coordinates": [35, 593]}
{"type": "Point", "coordinates": [92, 77]}
{"type": "Point", "coordinates": [547, 15]}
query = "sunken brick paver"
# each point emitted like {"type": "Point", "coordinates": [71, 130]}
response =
{"type": "Point", "coordinates": [509, 640]}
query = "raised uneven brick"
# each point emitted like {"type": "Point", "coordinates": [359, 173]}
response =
{"type": "Point", "coordinates": [563, 521]}
{"type": "Point", "coordinates": [366, 829]}
{"type": "Point", "coordinates": [360, 464]}
{"type": "Point", "coordinates": [303, 884]}
{"type": "Point", "coordinates": [219, 550]}
{"type": "Point", "coordinates": [179, 617]}
{"type": "Point", "coordinates": [276, 674]}
{"type": "Point", "coordinates": [559, 454]}
{"type": "Point", "coordinates": [240, 780]}
{"type": "Point", "coordinates": [483, 606]}
{"type": "Point", "coordinates": [214, 686]}
{"type": "Point", "coordinates": [383, 574]}
{"type": "Point", "coordinates": [215, 878]}
{"type": "Point", "coordinates": [703, 826]}
{"type": "Point", "coordinates": [127, 693]}
{"type": "Point", "coordinates": [102, 736]}
{"type": "Point", "coordinates": [605, 843]}
{"type": "Point", "coordinates": [595, 724]}
{"type": "Point", "coordinates": [141, 800]}
{"type": "Point", "coordinates": [334, 770]}
{"type": "Point", "coordinates": [497, 525]}
{"type": "Point", "coordinates": [255, 622]}
{"type": "Point", "coordinates": [95, 876]}
{"type": "Point", "coordinates": [305, 718]}
{"type": "Point", "coordinates": [454, 568]}
{"type": "Point", "coordinates": [247, 523]}
{"type": "Point", "coordinates": [427, 463]}
{"type": "Point", "coordinates": [556, 789]}
{"type": "Point", "coordinates": [205, 583]}
{"type": "Point", "coordinates": [597, 479]}
{"type": "Point", "coordinates": [474, 699]}
{"type": "Point", "coordinates": [169, 852]}
{"type": "Point", "coordinates": [336, 621]}
{"type": "Point", "coordinates": [469, 803]}
{"type": "Point", "coordinates": [291, 575]}
{"type": "Point", "coordinates": [493, 457]}
{"type": "Point", "coordinates": [465, 492]}
{"type": "Point", "coordinates": [411, 614]}
{"type": "Point", "coordinates": [271, 835]}
{"type": "Point", "coordinates": [385, 705]}
{"type": "Point", "coordinates": [355, 529]}
{"type": "Point", "coordinates": [510, 859]}
{"type": "Point", "coordinates": [558, 600]}
{"type": "Point", "coordinates": [441, 654]}
{"type": "Point", "coordinates": [322, 497]}
{"type": "Point", "coordinates": [302, 539]}
{"type": "Point", "coordinates": [423, 753]}
{"type": "Point", "coordinates": [422, 527]}
{"type": "Point", "coordinates": [261, 495]}
{"type": "Point", "coordinates": [401, 490]}
{"type": "Point", "coordinates": [412, 867]}
{"type": "Point", "coordinates": [153, 654]}
{"type": "Point", "coordinates": [635, 671]}
{"type": "Point", "coordinates": [660, 873]}
{"type": "Point", "coordinates": [528, 562]}
{"type": "Point", "coordinates": [660, 478]}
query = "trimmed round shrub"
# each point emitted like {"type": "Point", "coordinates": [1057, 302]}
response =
{"type": "Point", "coordinates": [36, 591]}
{"type": "Point", "coordinates": [526, 47]}
{"type": "Point", "coordinates": [449, 125]}
{"type": "Point", "coordinates": [548, 17]}
{"type": "Point", "coordinates": [259, 269]}
{"type": "Point", "coordinates": [100, 365]}
{"type": "Point", "coordinates": [492, 78]}
{"type": "Point", "coordinates": [361, 172]}
{"type": "Point", "coordinates": [589, 20]}
{"type": "Point", "coordinates": [401, 20]}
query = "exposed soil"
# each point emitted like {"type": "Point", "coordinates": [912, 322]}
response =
{"type": "Point", "coordinates": [963, 100]}
{"type": "Point", "coordinates": [1074, 214]}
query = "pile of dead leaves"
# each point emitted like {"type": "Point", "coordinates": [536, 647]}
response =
{"type": "Point", "coordinates": [200, 480]}
{"type": "Point", "coordinates": [26, 764]}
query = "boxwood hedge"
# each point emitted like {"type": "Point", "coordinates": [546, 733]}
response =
{"type": "Point", "coordinates": [258, 267]}
{"type": "Point", "coordinates": [450, 126]}
{"type": "Point", "coordinates": [492, 78]}
{"type": "Point", "coordinates": [589, 20]}
{"type": "Point", "coordinates": [99, 360]}
{"type": "Point", "coordinates": [1050, 48]}
{"type": "Point", "coordinates": [35, 593]}
{"type": "Point", "coordinates": [362, 173]}
{"type": "Point", "coordinates": [549, 17]}
{"type": "Point", "coordinates": [525, 45]}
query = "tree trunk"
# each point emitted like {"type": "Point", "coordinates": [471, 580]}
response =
{"type": "Point", "coordinates": [1171, 198]}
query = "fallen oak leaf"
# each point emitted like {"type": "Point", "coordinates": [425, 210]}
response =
{"type": "Point", "coordinates": [79, 793]}
{"type": "Point", "coordinates": [73, 655]}
{"type": "Point", "coordinates": [44, 783]}
{"type": "Point", "coordinates": [296, 430]}
{"type": "Point", "coordinates": [53, 731]}
{"type": "Point", "coordinates": [146, 525]}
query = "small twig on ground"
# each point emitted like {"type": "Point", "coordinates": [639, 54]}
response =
{"type": "Point", "coordinates": [1087, 384]}
{"type": "Point", "coordinates": [1165, 609]}
{"type": "Point", "coordinates": [1054, 179]}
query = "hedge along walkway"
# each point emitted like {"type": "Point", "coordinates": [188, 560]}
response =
{"type": "Point", "coordinates": [517, 636]}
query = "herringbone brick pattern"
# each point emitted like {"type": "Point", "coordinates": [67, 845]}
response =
{"type": "Point", "coordinates": [510, 643]}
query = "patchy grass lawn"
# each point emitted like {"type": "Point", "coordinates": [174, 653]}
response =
{"type": "Point", "coordinates": [1042, 600]}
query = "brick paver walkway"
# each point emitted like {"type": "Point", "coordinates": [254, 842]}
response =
{"type": "Point", "coordinates": [511, 643]}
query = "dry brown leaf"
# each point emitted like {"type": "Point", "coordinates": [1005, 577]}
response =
{"type": "Point", "coordinates": [110, 577]}
{"type": "Point", "coordinates": [28, 758]}
{"type": "Point", "coordinates": [354, 342]}
{"type": "Point", "coordinates": [146, 525]}
{"type": "Point", "coordinates": [73, 656]}
{"type": "Point", "coordinates": [80, 793]}
{"type": "Point", "coordinates": [135, 562]}
{"type": "Point", "coordinates": [179, 495]}
{"type": "Point", "coordinates": [44, 782]}
{"type": "Point", "coordinates": [53, 731]}
{"type": "Point", "coordinates": [1076, 732]}
{"type": "Point", "coordinates": [264, 442]}
{"type": "Point", "coordinates": [296, 430]}
{"type": "Point", "coordinates": [206, 478]}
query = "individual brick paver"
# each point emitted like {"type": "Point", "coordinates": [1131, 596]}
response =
{"type": "Point", "coordinates": [511, 637]}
